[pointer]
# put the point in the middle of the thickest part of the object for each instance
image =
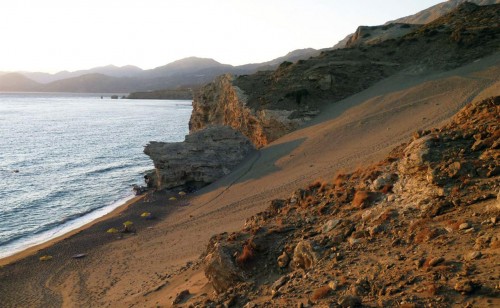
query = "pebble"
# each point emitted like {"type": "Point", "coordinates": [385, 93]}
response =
{"type": "Point", "coordinates": [464, 226]}
{"type": "Point", "coordinates": [473, 255]}
{"type": "Point", "coordinates": [436, 261]}
{"type": "Point", "coordinates": [464, 287]}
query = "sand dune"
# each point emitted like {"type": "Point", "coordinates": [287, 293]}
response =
{"type": "Point", "coordinates": [148, 269]}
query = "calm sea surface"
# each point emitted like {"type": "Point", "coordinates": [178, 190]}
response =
{"type": "Point", "coordinates": [77, 156]}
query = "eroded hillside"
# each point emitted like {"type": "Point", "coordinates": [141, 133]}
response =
{"type": "Point", "coordinates": [269, 104]}
{"type": "Point", "coordinates": [419, 228]}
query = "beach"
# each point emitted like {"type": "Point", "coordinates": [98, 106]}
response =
{"type": "Point", "coordinates": [148, 267]}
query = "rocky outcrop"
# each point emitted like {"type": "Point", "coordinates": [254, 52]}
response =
{"type": "Point", "coordinates": [431, 216]}
{"type": "Point", "coordinates": [223, 103]}
{"type": "Point", "coordinates": [202, 158]}
{"type": "Point", "coordinates": [366, 35]}
{"type": "Point", "coordinates": [268, 104]}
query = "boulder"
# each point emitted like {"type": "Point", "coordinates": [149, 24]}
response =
{"type": "Point", "coordinates": [221, 270]}
{"type": "Point", "coordinates": [304, 255]}
{"type": "Point", "coordinates": [204, 157]}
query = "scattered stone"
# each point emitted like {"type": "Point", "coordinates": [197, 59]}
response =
{"type": "Point", "coordinates": [304, 255]}
{"type": "Point", "coordinates": [283, 260]}
{"type": "Point", "coordinates": [278, 283]}
{"type": "Point", "coordinates": [473, 255]}
{"type": "Point", "coordinates": [330, 225]}
{"type": "Point", "coordinates": [464, 287]}
{"type": "Point", "coordinates": [436, 261]}
{"type": "Point", "coordinates": [349, 301]}
{"type": "Point", "coordinates": [464, 226]}
{"type": "Point", "coordinates": [181, 297]}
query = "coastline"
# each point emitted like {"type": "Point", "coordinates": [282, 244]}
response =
{"type": "Point", "coordinates": [35, 248]}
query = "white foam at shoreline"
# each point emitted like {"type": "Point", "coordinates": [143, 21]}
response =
{"type": "Point", "coordinates": [25, 243]}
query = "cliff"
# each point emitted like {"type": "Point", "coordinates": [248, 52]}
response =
{"type": "Point", "coordinates": [202, 158]}
{"type": "Point", "coordinates": [432, 201]}
{"type": "Point", "coordinates": [266, 105]}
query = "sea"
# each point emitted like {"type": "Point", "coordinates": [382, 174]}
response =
{"type": "Point", "coordinates": [67, 159]}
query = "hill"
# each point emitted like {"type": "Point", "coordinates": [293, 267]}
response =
{"type": "Point", "coordinates": [269, 104]}
{"type": "Point", "coordinates": [438, 10]}
{"type": "Point", "coordinates": [15, 82]}
{"type": "Point", "coordinates": [379, 33]}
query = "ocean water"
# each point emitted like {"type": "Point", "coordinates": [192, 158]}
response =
{"type": "Point", "coordinates": [77, 157]}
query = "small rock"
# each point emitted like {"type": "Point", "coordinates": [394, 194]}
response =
{"type": "Point", "coordinates": [493, 220]}
{"type": "Point", "coordinates": [353, 241]}
{"type": "Point", "coordinates": [464, 287]}
{"type": "Point", "coordinates": [436, 261]}
{"type": "Point", "coordinates": [333, 285]}
{"type": "Point", "coordinates": [330, 225]}
{"type": "Point", "coordinates": [391, 198]}
{"type": "Point", "coordinates": [419, 262]}
{"type": "Point", "coordinates": [180, 297]}
{"type": "Point", "coordinates": [349, 301]}
{"type": "Point", "coordinates": [250, 305]}
{"type": "Point", "coordinates": [283, 260]}
{"type": "Point", "coordinates": [473, 255]}
{"type": "Point", "coordinates": [278, 283]}
{"type": "Point", "coordinates": [464, 226]}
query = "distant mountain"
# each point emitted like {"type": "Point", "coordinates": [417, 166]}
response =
{"type": "Point", "coordinates": [190, 65]}
{"type": "Point", "coordinates": [292, 56]}
{"type": "Point", "coordinates": [109, 70]}
{"type": "Point", "coordinates": [16, 82]}
{"type": "Point", "coordinates": [438, 10]}
{"type": "Point", "coordinates": [422, 17]}
{"type": "Point", "coordinates": [188, 73]}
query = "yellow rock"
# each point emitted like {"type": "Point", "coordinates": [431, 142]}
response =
{"type": "Point", "coordinates": [45, 258]}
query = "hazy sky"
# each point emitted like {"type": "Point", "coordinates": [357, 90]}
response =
{"type": "Point", "coordinates": [54, 35]}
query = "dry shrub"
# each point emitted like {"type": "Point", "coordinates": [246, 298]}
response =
{"type": "Point", "coordinates": [324, 187]}
{"type": "Point", "coordinates": [323, 209]}
{"type": "Point", "coordinates": [420, 223]}
{"type": "Point", "coordinates": [386, 215]}
{"type": "Point", "coordinates": [426, 234]}
{"type": "Point", "coordinates": [320, 293]}
{"type": "Point", "coordinates": [386, 189]}
{"type": "Point", "coordinates": [246, 255]}
{"type": "Point", "coordinates": [432, 289]}
{"type": "Point", "coordinates": [255, 230]}
{"type": "Point", "coordinates": [339, 179]}
{"type": "Point", "coordinates": [307, 202]}
{"type": "Point", "coordinates": [314, 185]}
{"type": "Point", "coordinates": [361, 199]}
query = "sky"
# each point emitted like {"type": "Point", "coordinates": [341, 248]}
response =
{"type": "Point", "coordinates": [54, 35]}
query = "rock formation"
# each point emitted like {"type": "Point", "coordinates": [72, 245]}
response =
{"type": "Point", "coordinates": [202, 158]}
{"type": "Point", "coordinates": [266, 105]}
{"type": "Point", "coordinates": [433, 203]}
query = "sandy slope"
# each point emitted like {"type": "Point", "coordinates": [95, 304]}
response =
{"type": "Point", "coordinates": [146, 270]}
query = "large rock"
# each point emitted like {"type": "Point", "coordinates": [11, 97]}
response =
{"type": "Point", "coordinates": [201, 159]}
{"type": "Point", "coordinates": [220, 268]}
{"type": "Point", "coordinates": [223, 103]}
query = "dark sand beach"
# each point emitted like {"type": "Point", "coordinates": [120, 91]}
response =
{"type": "Point", "coordinates": [148, 267]}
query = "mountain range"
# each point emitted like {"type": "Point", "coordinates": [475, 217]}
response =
{"type": "Point", "coordinates": [187, 72]}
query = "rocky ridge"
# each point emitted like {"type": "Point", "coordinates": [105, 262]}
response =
{"type": "Point", "coordinates": [266, 105]}
{"type": "Point", "coordinates": [432, 203]}
{"type": "Point", "coordinates": [202, 158]}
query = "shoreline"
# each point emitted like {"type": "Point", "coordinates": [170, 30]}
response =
{"type": "Point", "coordinates": [29, 251]}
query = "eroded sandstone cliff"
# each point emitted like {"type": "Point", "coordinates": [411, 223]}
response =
{"type": "Point", "coordinates": [202, 158]}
